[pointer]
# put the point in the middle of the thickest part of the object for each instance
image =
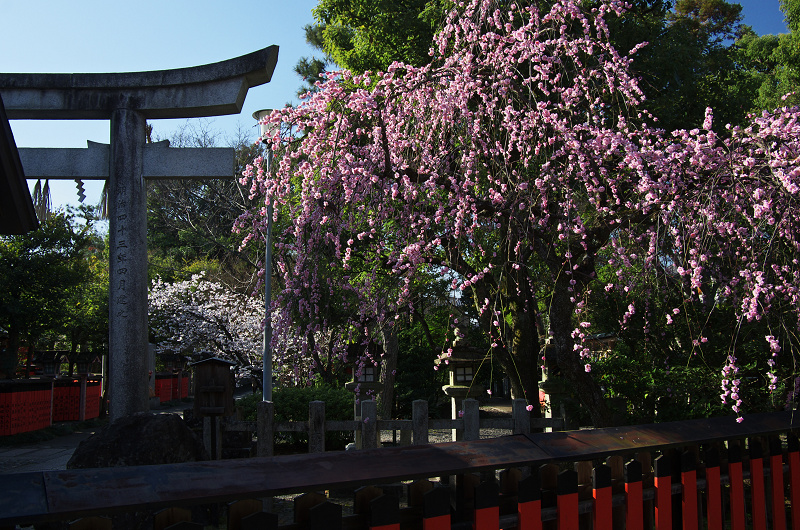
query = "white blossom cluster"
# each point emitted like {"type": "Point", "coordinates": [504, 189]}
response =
{"type": "Point", "coordinates": [198, 315]}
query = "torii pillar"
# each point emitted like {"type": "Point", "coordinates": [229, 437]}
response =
{"type": "Point", "coordinates": [128, 100]}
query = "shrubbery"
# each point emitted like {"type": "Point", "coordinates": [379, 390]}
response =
{"type": "Point", "coordinates": [291, 404]}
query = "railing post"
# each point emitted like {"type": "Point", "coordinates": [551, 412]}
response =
{"type": "Point", "coordinates": [316, 427]}
{"type": "Point", "coordinates": [634, 513]}
{"type": "Point", "coordinates": [384, 513]}
{"type": "Point", "coordinates": [240, 509]}
{"type": "Point", "coordinates": [735, 474]}
{"type": "Point", "coordinates": [529, 503]}
{"type": "Point", "coordinates": [436, 509]}
{"type": "Point", "coordinates": [663, 483]}
{"type": "Point", "coordinates": [265, 429]}
{"type": "Point", "coordinates": [689, 500]}
{"type": "Point", "coordinates": [521, 416]}
{"type": "Point", "coordinates": [601, 492]}
{"type": "Point", "coordinates": [567, 501]}
{"type": "Point", "coordinates": [260, 521]}
{"type": "Point", "coordinates": [487, 506]}
{"type": "Point", "coordinates": [776, 474]}
{"type": "Point", "coordinates": [793, 457]}
{"type": "Point", "coordinates": [714, 489]}
{"type": "Point", "coordinates": [757, 484]}
{"type": "Point", "coordinates": [325, 516]}
{"type": "Point", "coordinates": [369, 426]}
{"type": "Point", "coordinates": [472, 428]}
{"type": "Point", "coordinates": [419, 421]}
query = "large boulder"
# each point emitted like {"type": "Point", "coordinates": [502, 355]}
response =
{"type": "Point", "coordinates": [138, 440]}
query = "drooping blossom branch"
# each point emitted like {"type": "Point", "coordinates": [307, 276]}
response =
{"type": "Point", "coordinates": [514, 165]}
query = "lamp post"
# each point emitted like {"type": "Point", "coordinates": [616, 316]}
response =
{"type": "Point", "coordinates": [267, 131]}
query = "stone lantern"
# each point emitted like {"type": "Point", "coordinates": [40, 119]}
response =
{"type": "Point", "coordinates": [51, 362]}
{"type": "Point", "coordinates": [557, 390]}
{"type": "Point", "coordinates": [366, 383]}
{"type": "Point", "coordinates": [84, 361]}
{"type": "Point", "coordinates": [462, 366]}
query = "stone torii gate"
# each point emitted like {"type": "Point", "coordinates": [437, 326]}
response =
{"type": "Point", "coordinates": [128, 100]}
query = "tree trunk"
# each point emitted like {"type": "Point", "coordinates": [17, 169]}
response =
{"type": "Point", "coordinates": [519, 357]}
{"type": "Point", "coordinates": [391, 348]}
{"type": "Point", "coordinates": [29, 358]}
{"type": "Point", "coordinates": [519, 360]}
{"type": "Point", "coordinates": [568, 360]}
{"type": "Point", "coordinates": [524, 354]}
{"type": "Point", "coordinates": [8, 357]}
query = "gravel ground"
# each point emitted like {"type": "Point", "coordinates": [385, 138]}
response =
{"type": "Point", "coordinates": [437, 436]}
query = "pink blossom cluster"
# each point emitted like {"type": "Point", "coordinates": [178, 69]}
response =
{"type": "Point", "coordinates": [730, 385]}
{"type": "Point", "coordinates": [509, 166]}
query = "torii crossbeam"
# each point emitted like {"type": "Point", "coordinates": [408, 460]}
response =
{"type": "Point", "coordinates": [128, 100]}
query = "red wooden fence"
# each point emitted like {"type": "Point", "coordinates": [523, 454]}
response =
{"type": "Point", "coordinates": [169, 386]}
{"type": "Point", "coordinates": [712, 473]}
{"type": "Point", "coordinates": [29, 405]}
{"type": "Point", "coordinates": [25, 406]}
{"type": "Point", "coordinates": [67, 400]}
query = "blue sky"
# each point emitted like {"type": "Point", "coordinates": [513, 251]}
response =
{"type": "Point", "coordinates": [115, 36]}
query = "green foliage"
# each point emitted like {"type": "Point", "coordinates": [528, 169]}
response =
{"type": "Point", "coordinates": [699, 33]}
{"type": "Point", "coordinates": [291, 404]}
{"type": "Point", "coordinates": [772, 65]}
{"type": "Point", "coordinates": [650, 390]}
{"type": "Point", "coordinates": [310, 69]}
{"type": "Point", "coordinates": [667, 361]}
{"type": "Point", "coordinates": [54, 285]}
{"type": "Point", "coordinates": [791, 9]}
{"type": "Point", "coordinates": [416, 378]}
{"type": "Point", "coordinates": [189, 221]}
{"type": "Point", "coordinates": [363, 35]}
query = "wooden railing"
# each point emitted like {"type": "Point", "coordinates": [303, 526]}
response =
{"type": "Point", "coordinates": [715, 473]}
{"type": "Point", "coordinates": [412, 431]}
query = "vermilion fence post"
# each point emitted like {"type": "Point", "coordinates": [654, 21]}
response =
{"type": "Point", "coordinates": [325, 516]}
{"type": "Point", "coordinates": [689, 497]}
{"type": "Point", "coordinates": [436, 509]}
{"type": "Point", "coordinates": [5, 412]}
{"type": "Point", "coordinates": [713, 490]}
{"type": "Point", "coordinates": [487, 506]}
{"type": "Point", "coordinates": [663, 483]}
{"type": "Point", "coordinates": [529, 503]}
{"type": "Point", "coordinates": [648, 505]}
{"type": "Point", "coordinates": [736, 478]}
{"type": "Point", "coordinates": [757, 493]}
{"type": "Point", "coordinates": [634, 516]}
{"type": "Point", "coordinates": [776, 476]}
{"type": "Point", "coordinates": [384, 513]}
{"type": "Point", "coordinates": [793, 456]}
{"type": "Point", "coordinates": [260, 521]}
{"type": "Point", "coordinates": [567, 501]}
{"type": "Point", "coordinates": [601, 491]}
{"type": "Point", "coordinates": [16, 400]}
